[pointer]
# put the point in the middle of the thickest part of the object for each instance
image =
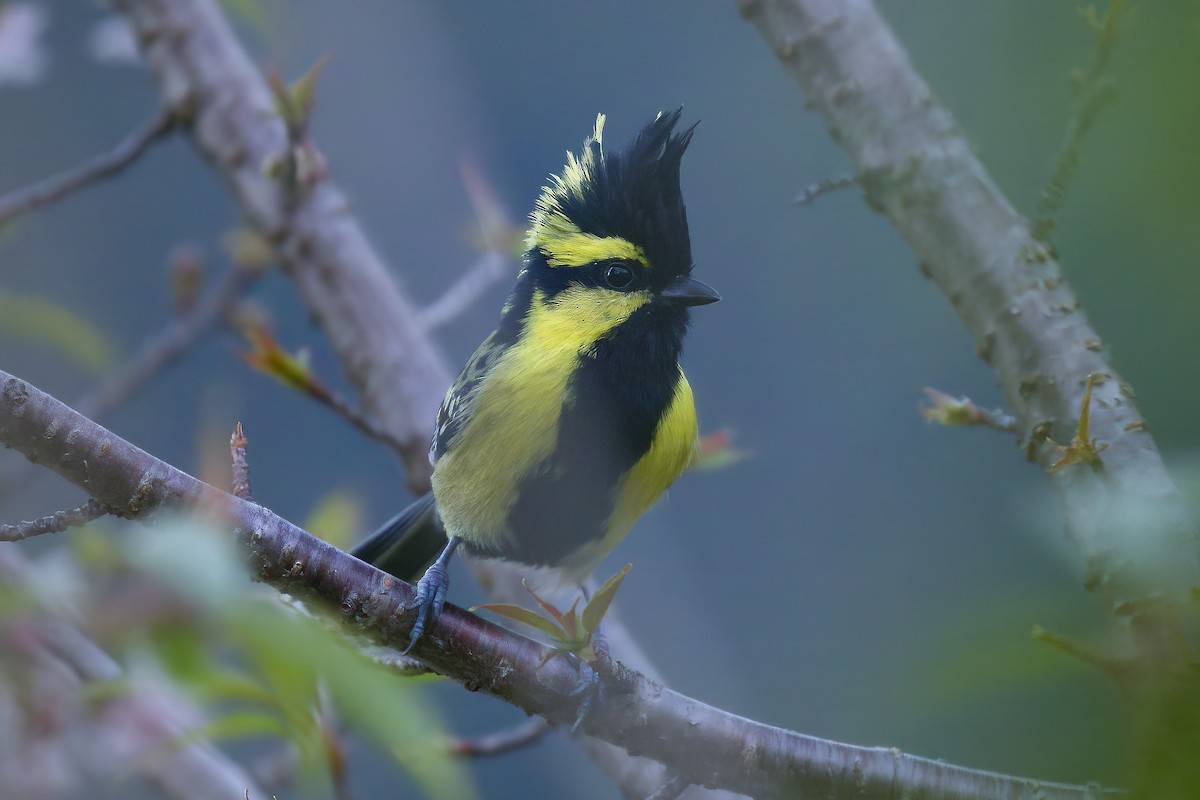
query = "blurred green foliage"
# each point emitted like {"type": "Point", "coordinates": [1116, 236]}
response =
{"type": "Point", "coordinates": [41, 322]}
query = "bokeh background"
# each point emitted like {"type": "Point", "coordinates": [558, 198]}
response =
{"type": "Point", "coordinates": [862, 575]}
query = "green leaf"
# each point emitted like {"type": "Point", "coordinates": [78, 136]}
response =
{"type": "Point", "coordinates": [597, 607]}
{"type": "Point", "coordinates": [38, 320]}
{"type": "Point", "coordinates": [524, 615]}
{"type": "Point", "coordinates": [294, 654]}
{"type": "Point", "coordinates": [238, 724]}
{"type": "Point", "coordinates": [228, 685]}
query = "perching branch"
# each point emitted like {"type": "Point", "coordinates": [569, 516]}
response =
{"type": "Point", "coordinates": [103, 166]}
{"type": "Point", "coordinates": [1127, 519]}
{"type": "Point", "coordinates": [700, 744]}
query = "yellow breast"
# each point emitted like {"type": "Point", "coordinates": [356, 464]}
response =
{"type": "Point", "coordinates": [513, 424]}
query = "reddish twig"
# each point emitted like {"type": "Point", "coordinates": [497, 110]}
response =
{"type": "Point", "coordinates": [56, 187]}
{"type": "Point", "coordinates": [494, 744]}
{"type": "Point", "coordinates": [54, 523]}
{"type": "Point", "coordinates": [241, 467]}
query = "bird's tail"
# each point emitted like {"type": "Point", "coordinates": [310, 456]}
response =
{"type": "Point", "coordinates": [407, 543]}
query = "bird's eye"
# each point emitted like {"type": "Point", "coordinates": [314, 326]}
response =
{"type": "Point", "coordinates": [618, 276]}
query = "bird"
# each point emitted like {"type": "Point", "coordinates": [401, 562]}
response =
{"type": "Point", "coordinates": [574, 415]}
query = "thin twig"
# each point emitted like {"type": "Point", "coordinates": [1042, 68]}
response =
{"type": "Point", "coordinates": [491, 267]}
{"type": "Point", "coordinates": [166, 347]}
{"type": "Point", "coordinates": [157, 352]}
{"type": "Point", "coordinates": [241, 467]}
{"type": "Point", "coordinates": [824, 187]}
{"type": "Point", "coordinates": [505, 741]}
{"type": "Point", "coordinates": [56, 187]}
{"type": "Point", "coordinates": [944, 409]}
{"type": "Point", "coordinates": [57, 522]}
{"type": "Point", "coordinates": [1095, 92]}
{"type": "Point", "coordinates": [359, 419]}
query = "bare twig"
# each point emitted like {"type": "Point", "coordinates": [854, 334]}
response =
{"type": "Point", "coordinates": [825, 186]}
{"type": "Point", "coordinates": [950, 411]}
{"type": "Point", "coordinates": [166, 347]}
{"type": "Point", "coordinates": [494, 744]}
{"type": "Point", "coordinates": [491, 267]}
{"type": "Point", "coordinates": [359, 419]}
{"type": "Point", "coordinates": [241, 467]}
{"type": "Point", "coordinates": [59, 186]}
{"type": "Point", "coordinates": [701, 744]}
{"type": "Point", "coordinates": [1094, 94]}
{"type": "Point", "coordinates": [54, 523]}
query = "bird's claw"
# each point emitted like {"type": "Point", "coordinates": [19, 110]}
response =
{"type": "Point", "coordinates": [591, 688]}
{"type": "Point", "coordinates": [431, 596]}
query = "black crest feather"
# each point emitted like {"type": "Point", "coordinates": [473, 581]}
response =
{"type": "Point", "coordinates": [632, 193]}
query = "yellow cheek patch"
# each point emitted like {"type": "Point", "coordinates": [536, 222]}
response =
{"type": "Point", "coordinates": [565, 245]}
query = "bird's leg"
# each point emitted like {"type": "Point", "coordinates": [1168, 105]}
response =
{"type": "Point", "coordinates": [591, 688]}
{"type": "Point", "coordinates": [431, 594]}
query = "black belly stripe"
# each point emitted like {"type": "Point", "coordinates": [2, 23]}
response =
{"type": "Point", "coordinates": [617, 396]}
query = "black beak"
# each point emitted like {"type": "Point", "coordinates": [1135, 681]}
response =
{"type": "Point", "coordinates": [689, 292]}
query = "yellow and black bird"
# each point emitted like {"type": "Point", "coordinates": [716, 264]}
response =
{"type": "Point", "coordinates": [573, 416]}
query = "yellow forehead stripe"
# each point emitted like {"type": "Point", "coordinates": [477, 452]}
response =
{"type": "Point", "coordinates": [564, 244]}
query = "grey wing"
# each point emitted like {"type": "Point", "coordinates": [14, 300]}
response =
{"type": "Point", "coordinates": [460, 398]}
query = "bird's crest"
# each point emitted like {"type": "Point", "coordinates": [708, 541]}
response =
{"type": "Point", "coordinates": [624, 204]}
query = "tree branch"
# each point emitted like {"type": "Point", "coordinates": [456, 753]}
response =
{"type": "Point", "coordinates": [916, 166]}
{"type": "Point", "coordinates": [103, 166]}
{"type": "Point", "coordinates": [191, 51]}
{"type": "Point", "coordinates": [701, 745]}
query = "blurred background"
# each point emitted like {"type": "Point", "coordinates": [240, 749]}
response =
{"type": "Point", "coordinates": [862, 575]}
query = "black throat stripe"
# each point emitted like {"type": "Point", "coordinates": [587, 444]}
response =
{"type": "Point", "coordinates": [617, 396]}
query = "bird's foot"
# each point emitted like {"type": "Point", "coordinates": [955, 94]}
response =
{"type": "Point", "coordinates": [589, 691]}
{"type": "Point", "coordinates": [431, 596]}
